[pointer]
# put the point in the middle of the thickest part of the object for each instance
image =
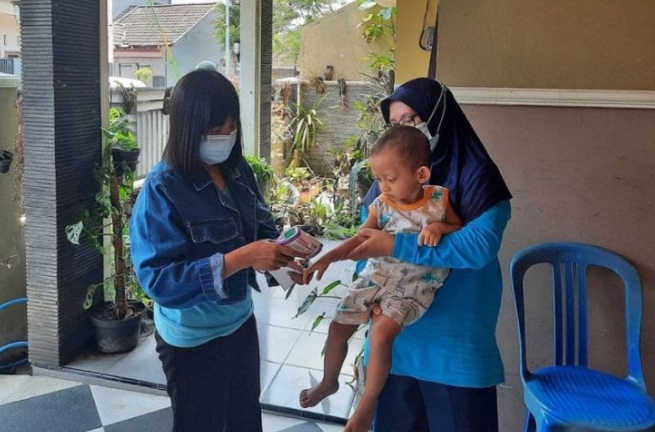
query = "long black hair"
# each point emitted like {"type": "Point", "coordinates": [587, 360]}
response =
{"type": "Point", "coordinates": [202, 100]}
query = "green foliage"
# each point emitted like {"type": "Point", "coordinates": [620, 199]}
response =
{"type": "Point", "coordinates": [305, 123]}
{"type": "Point", "coordinates": [108, 218]}
{"type": "Point", "coordinates": [288, 18]}
{"type": "Point", "coordinates": [381, 63]}
{"type": "Point", "coordinates": [143, 75]}
{"type": "Point", "coordinates": [297, 174]}
{"type": "Point", "coordinates": [314, 295]}
{"type": "Point", "coordinates": [219, 23]}
{"type": "Point", "coordinates": [262, 170]}
{"type": "Point", "coordinates": [369, 117]}
{"type": "Point", "coordinates": [375, 25]}
{"type": "Point", "coordinates": [119, 132]}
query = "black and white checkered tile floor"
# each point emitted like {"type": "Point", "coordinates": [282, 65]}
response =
{"type": "Point", "coordinates": [35, 404]}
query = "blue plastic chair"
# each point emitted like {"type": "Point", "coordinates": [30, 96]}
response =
{"type": "Point", "coordinates": [569, 396]}
{"type": "Point", "coordinates": [13, 345]}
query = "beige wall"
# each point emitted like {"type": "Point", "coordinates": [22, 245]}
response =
{"type": "Point", "coordinates": [411, 60]}
{"type": "Point", "coordinates": [584, 44]}
{"type": "Point", "coordinates": [9, 35]}
{"type": "Point", "coordinates": [583, 175]}
{"type": "Point", "coordinates": [577, 174]}
{"type": "Point", "coordinates": [335, 40]}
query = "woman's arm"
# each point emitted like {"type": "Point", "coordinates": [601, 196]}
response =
{"type": "Point", "coordinates": [472, 247]}
{"type": "Point", "coordinates": [160, 249]}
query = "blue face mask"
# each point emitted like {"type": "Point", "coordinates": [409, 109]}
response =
{"type": "Point", "coordinates": [215, 149]}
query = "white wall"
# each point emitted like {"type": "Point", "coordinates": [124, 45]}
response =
{"type": "Point", "coordinates": [126, 66]}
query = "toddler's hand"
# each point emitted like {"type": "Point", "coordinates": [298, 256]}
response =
{"type": "Point", "coordinates": [319, 266]}
{"type": "Point", "coordinates": [431, 234]}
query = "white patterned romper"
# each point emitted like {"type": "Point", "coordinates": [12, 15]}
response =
{"type": "Point", "coordinates": [403, 291]}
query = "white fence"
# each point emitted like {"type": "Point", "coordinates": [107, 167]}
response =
{"type": "Point", "coordinates": [151, 126]}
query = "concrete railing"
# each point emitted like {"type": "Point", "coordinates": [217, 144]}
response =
{"type": "Point", "coordinates": [151, 128]}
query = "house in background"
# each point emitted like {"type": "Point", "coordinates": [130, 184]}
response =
{"type": "Point", "coordinates": [142, 32]}
{"type": "Point", "coordinates": [10, 62]}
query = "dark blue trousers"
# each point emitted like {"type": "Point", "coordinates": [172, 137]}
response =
{"type": "Point", "coordinates": [410, 405]}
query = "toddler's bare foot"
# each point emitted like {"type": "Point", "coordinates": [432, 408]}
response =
{"type": "Point", "coordinates": [310, 397]}
{"type": "Point", "coordinates": [362, 419]}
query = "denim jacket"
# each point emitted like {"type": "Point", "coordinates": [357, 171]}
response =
{"type": "Point", "coordinates": [181, 229]}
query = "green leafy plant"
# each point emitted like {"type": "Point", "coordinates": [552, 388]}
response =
{"type": "Point", "coordinates": [143, 75]}
{"type": "Point", "coordinates": [262, 170]}
{"type": "Point", "coordinates": [297, 174]}
{"type": "Point", "coordinates": [305, 124]}
{"type": "Point", "coordinates": [114, 198]}
{"type": "Point", "coordinates": [119, 132]}
{"type": "Point", "coordinates": [288, 19]}
{"type": "Point", "coordinates": [377, 24]}
{"type": "Point", "coordinates": [220, 24]}
{"type": "Point", "coordinates": [313, 296]}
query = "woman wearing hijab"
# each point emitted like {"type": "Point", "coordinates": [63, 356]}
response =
{"type": "Point", "coordinates": [446, 365]}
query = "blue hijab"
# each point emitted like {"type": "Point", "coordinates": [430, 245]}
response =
{"type": "Point", "coordinates": [459, 160]}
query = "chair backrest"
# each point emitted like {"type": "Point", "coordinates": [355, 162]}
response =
{"type": "Point", "coordinates": [570, 262]}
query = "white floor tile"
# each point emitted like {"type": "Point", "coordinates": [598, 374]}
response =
{"type": "Point", "coordinates": [267, 372]}
{"type": "Point", "coordinates": [307, 352]}
{"type": "Point", "coordinates": [330, 427]}
{"type": "Point", "coordinates": [286, 387]}
{"type": "Point", "coordinates": [96, 362]}
{"type": "Point", "coordinates": [275, 343]}
{"type": "Point", "coordinates": [141, 364]}
{"type": "Point", "coordinates": [279, 312]}
{"type": "Point", "coordinates": [117, 405]}
{"type": "Point", "coordinates": [276, 423]}
{"type": "Point", "coordinates": [21, 387]}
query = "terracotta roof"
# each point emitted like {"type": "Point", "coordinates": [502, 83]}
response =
{"type": "Point", "coordinates": [138, 26]}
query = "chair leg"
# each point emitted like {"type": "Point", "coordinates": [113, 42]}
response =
{"type": "Point", "coordinates": [544, 426]}
{"type": "Point", "coordinates": [530, 425]}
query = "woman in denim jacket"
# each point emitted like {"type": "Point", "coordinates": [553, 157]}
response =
{"type": "Point", "coordinates": [199, 230]}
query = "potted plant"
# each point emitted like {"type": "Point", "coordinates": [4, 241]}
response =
{"type": "Point", "coordinates": [263, 173]}
{"type": "Point", "coordinates": [124, 148]}
{"type": "Point", "coordinates": [6, 157]}
{"type": "Point", "coordinates": [117, 322]}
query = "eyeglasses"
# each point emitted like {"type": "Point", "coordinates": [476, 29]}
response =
{"type": "Point", "coordinates": [408, 120]}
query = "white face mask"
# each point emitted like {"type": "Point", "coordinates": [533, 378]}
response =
{"type": "Point", "coordinates": [423, 127]}
{"type": "Point", "coordinates": [215, 149]}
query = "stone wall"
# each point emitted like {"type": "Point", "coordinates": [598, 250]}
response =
{"type": "Point", "coordinates": [339, 116]}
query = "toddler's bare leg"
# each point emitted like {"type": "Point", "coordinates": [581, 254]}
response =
{"type": "Point", "coordinates": [383, 333]}
{"type": "Point", "coordinates": [336, 349]}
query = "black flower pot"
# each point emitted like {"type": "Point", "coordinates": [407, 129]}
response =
{"type": "Point", "coordinates": [114, 335]}
{"type": "Point", "coordinates": [131, 158]}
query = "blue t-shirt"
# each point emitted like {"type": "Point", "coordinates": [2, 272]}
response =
{"type": "Point", "coordinates": [454, 343]}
